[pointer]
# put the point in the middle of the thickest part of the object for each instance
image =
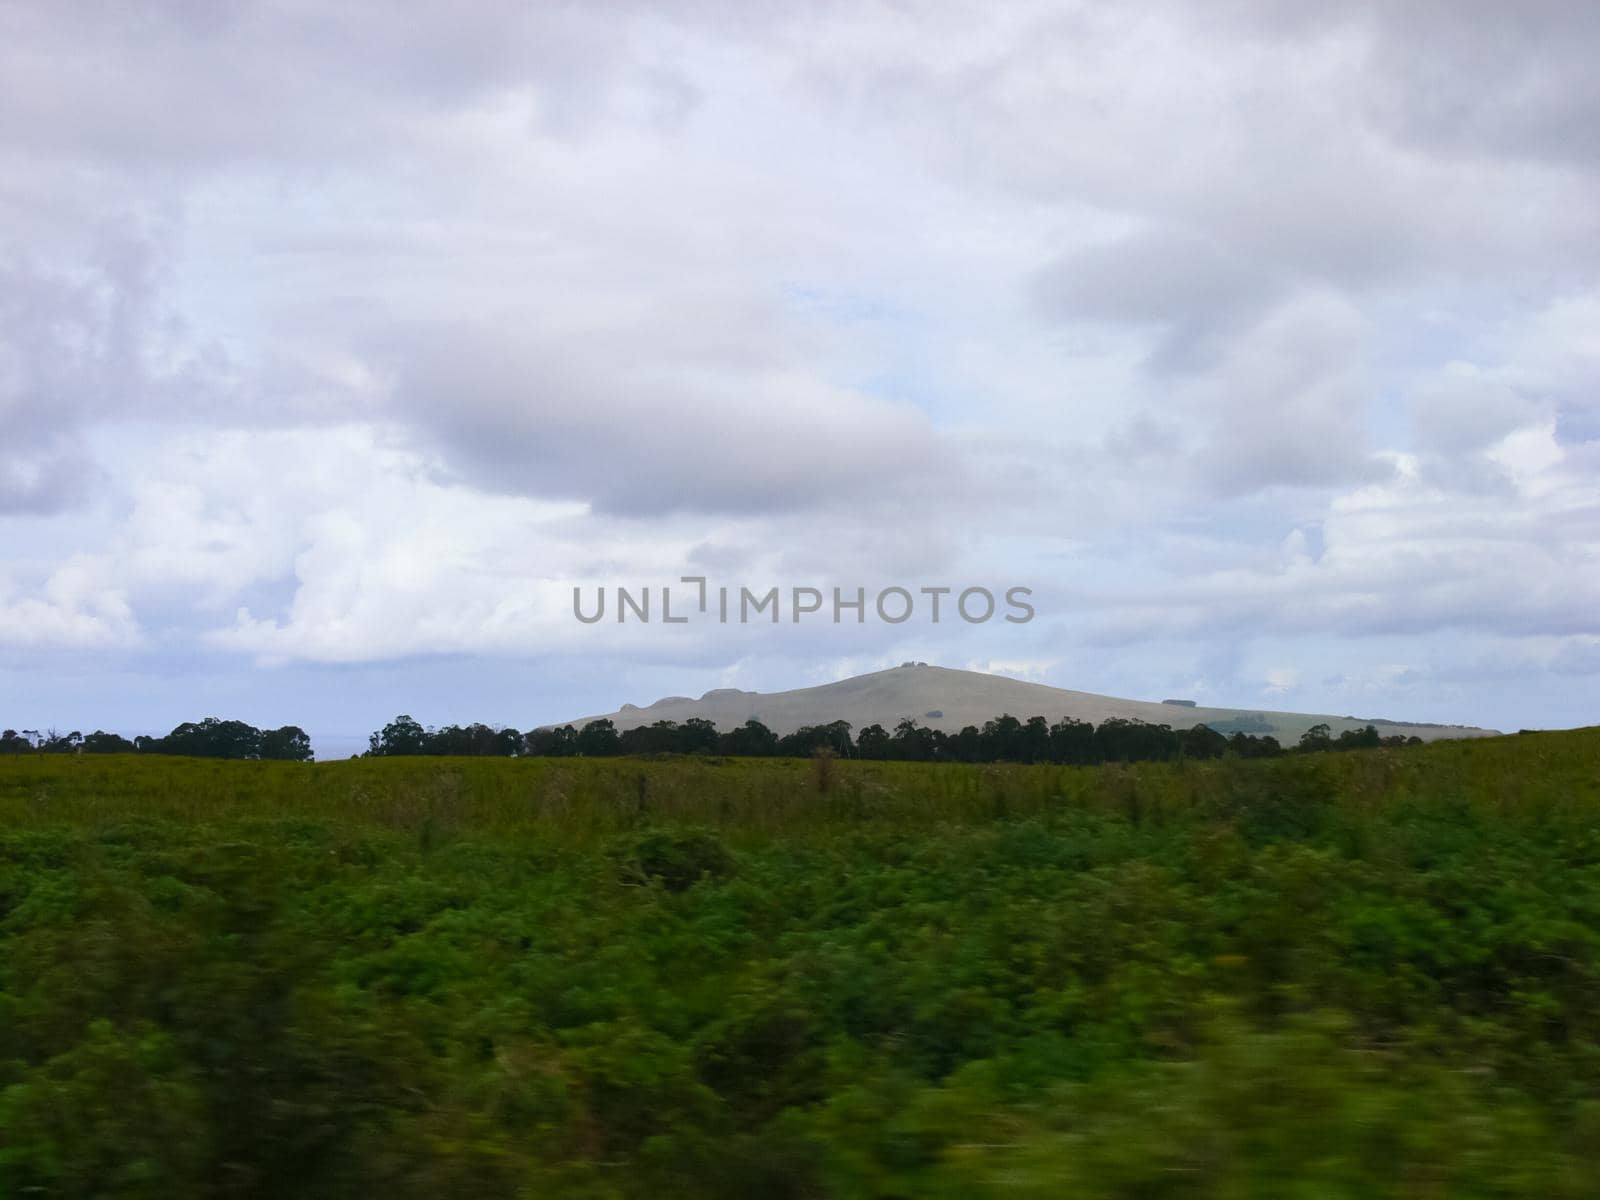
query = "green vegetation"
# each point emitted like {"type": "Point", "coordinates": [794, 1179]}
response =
{"type": "Point", "coordinates": [1068, 742]}
{"type": "Point", "coordinates": [209, 738]}
{"type": "Point", "coordinates": [1004, 739]}
{"type": "Point", "coordinates": [1331, 975]}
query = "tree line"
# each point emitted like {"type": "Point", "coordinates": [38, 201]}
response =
{"type": "Point", "coordinates": [1003, 739]}
{"type": "Point", "coordinates": [208, 738]}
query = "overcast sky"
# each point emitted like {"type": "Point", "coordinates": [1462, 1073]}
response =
{"type": "Point", "coordinates": [338, 341]}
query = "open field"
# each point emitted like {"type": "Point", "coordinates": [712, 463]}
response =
{"type": "Point", "coordinates": [1373, 973]}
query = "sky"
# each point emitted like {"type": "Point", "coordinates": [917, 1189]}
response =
{"type": "Point", "coordinates": [340, 342]}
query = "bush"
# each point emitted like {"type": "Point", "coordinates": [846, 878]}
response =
{"type": "Point", "coordinates": [677, 859]}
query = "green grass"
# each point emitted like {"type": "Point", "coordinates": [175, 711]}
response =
{"type": "Point", "coordinates": [1362, 974]}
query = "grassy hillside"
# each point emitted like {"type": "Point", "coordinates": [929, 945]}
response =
{"type": "Point", "coordinates": [1366, 974]}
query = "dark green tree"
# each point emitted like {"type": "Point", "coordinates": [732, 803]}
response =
{"type": "Point", "coordinates": [1118, 739]}
{"type": "Point", "coordinates": [598, 739]}
{"type": "Point", "coordinates": [289, 743]}
{"type": "Point", "coordinates": [1033, 741]}
{"type": "Point", "coordinates": [403, 735]}
{"type": "Point", "coordinates": [873, 742]}
{"type": "Point", "coordinates": [697, 736]}
{"type": "Point", "coordinates": [213, 738]}
{"type": "Point", "coordinates": [1072, 741]}
{"type": "Point", "coordinates": [911, 742]}
{"type": "Point", "coordinates": [1318, 737]}
{"type": "Point", "coordinates": [1002, 739]}
{"type": "Point", "coordinates": [1358, 739]}
{"type": "Point", "coordinates": [752, 740]}
{"type": "Point", "coordinates": [966, 746]}
{"type": "Point", "coordinates": [101, 742]}
{"type": "Point", "coordinates": [1201, 741]}
{"type": "Point", "coordinates": [551, 742]}
{"type": "Point", "coordinates": [659, 737]}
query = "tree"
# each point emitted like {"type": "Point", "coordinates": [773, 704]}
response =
{"type": "Point", "coordinates": [697, 736]}
{"type": "Point", "coordinates": [966, 746]}
{"type": "Point", "coordinates": [1002, 738]}
{"type": "Point", "coordinates": [403, 735]}
{"type": "Point", "coordinates": [550, 742]}
{"type": "Point", "coordinates": [1358, 739]}
{"type": "Point", "coordinates": [598, 739]}
{"type": "Point", "coordinates": [1121, 740]}
{"type": "Point", "coordinates": [873, 742]}
{"type": "Point", "coordinates": [1033, 740]}
{"type": "Point", "coordinates": [752, 739]}
{"type": "Point", "coordinates": [213, 738]}
{"type": "Point", "coordinates": [291, 743]}
{"type": "Point", "coordinates": [62, 743]}
{"type": "Point", "coordinates": [1201, 741]}
{"type": "Point", "coordinates": [1072, 741]}
{"type": "Point", "coordinates": [101, 742]}
{"type": "Point", "coordinates": [659, 737]}
{"type": "Point", "coordinates": [1248, 745]}
{"type": "Point", "coordinates": [477, 739]}
{"type": "Point", "coordinates": [835, 735]}
{"type": "Point", "coordinates": [1318, 737]}
{"type": "Point", "coordinates": [911, 742]}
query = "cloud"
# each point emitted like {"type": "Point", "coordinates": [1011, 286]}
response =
{"type": "Point", "coordinates": [1406, 556]}
{"type": "Point", "coordinates": [198, 85]}
{"type": "Point", "coordinates": [1281, 681]}
{"type": "Point", "coordinates": [75, 610]}
{"type": "Point", "coordinates": [69, 352]}
{"type": "Point", "coordinates": [1197, 293]}
{"type": "Point", "coordinates": [636, 433]}
{"type": "Point", "coordinates": [1464, 408]}
{"type": "Point", "coordinates": [1286, 406]}
{"type": "Point", "coordinates": [1256, 336]}
{"type": "Point", "coordinates": [1577, 656]}
{"type": "Point", "coordinates": [1497, 80]}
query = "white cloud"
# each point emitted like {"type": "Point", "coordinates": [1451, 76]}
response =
{"type": "Point", "coordinates": [1281, 681]}
{"type": "Point", "coordinates": [1224, 324]}
{"type": "Point", "coordinates": [75, 610]}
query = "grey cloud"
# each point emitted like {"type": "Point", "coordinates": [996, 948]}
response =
{"type": "Point", "coordinates": [1260, 130]}
{"type": "Point", "coordinates": [1144, 438]}
{"type": "Point", "coordinates": [1465, 76]}
{"type": "Point", "coordinates": [89, 337]}
{"type": "Point", "coordinates": [175, 83]}
{"type": "Point", "coordinates": [1463, 409]}
{"type": "Point", "coordinates": [71, 350]}
{"type": "Point", "coordinates": [572, 220]}
{"type": "Point", "coordinates": [1286, 406]}
{"type": "Point", "coordinates": [200, 82]}
{"type": "Point", "coordinates": [1280, 449]}
{"type": "Point", "coordinates": [42, 479]}
{"type": "Point", "coordinates": [1451, 562]}
{"type": "Point", "coordinates": [1578, 423]}
{"type": "Point", "coordinates": [1577, 656]}
{"type": "Point", "coordinates": [1197, 292]}
{"type": "Point", "coordinates": [633, 435]}
{"type": "Point", "coordinates": [1483, 77]}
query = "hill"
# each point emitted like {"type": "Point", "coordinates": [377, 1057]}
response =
{"type": "Point", "coordinates": [947, 699]}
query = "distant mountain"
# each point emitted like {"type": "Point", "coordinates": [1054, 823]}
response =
{"type": "Point", "coordinates": [946, 699]}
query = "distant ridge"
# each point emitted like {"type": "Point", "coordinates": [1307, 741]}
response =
{"type": "Point", "coordinates": [947, 699]}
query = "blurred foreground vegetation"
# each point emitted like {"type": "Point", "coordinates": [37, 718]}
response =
{"type": "Point", "coordinates": [1364, 974]}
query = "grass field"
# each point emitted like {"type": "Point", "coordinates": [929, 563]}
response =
{"type": "Point", "coordinates": [1362, 974]}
